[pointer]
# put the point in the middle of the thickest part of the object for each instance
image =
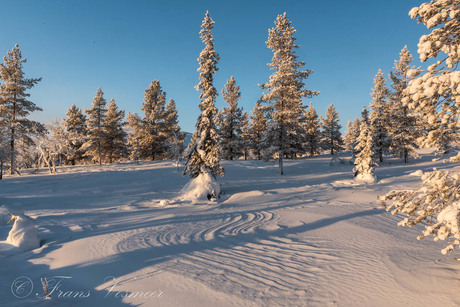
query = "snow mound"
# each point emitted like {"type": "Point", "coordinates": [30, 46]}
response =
{"type": "Point", "coordinates": [239, 197]}
{"type": "Point", "coordinates": [203, 187]}
{"type": "Point", "coordinates": [365, 178]}
{"type": "Point", "coordinates": [23, 234]}
{"type": "Point", "coordinates": [417, 173]}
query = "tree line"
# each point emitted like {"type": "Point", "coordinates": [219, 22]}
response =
{"type": "Point", "coordinates": [103, 134]}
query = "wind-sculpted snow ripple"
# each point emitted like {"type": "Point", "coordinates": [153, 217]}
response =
{"type": "Point", "coordinates": [231, 251]}
{"type": "Point", "coordinates": [276, 271]}
{"type": "Point", "coordinates": [181, 231]}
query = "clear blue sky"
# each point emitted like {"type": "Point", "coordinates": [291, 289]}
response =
{"type": "Point", "coordinates": [122, 46]}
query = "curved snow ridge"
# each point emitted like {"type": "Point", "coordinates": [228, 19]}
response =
{"type": "Point", "coordinates": [201, 230]}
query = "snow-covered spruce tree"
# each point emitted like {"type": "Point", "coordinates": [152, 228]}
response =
{"type": "Point", "coordinates": [437, 203]}
{"type": "Point", "coordinates": [76, 131]}
{"type": "Point", "coordinates": [15, 107]}
{"type": "Point", "coordinates": [348, 139]}
{"type": "Point", "coordinates": [153, 132]}
{"type": "Point", "coordinates": [331, 135]}
{"type": "Point", "coordinates": [203, 153]}
{"type": "Point", "coordinates": [256, 130]}
{"type": "Point", "coordinates": [442, 134]}
{"type": "Point", "coordinates": [365, 116]}
{"type": "Point", "coordinates": [174, 136]}
{"type": "Point", "coordinates": [134, 136]}
{"type": "Point", "coordinates": [351, 136]}
{"type": "Point", "coordinates": [380, 116]}
{"type": "Point", "coordinates": [403, 130]}
{"type": "Point", "coordinates": [114, 144]}
{"type": "Point", "coordinates": [285, 89]}
{"type": "Point", "coordinates": [230, 121]}
{"type": "Point", "coordinates": [364, 162]}
{"type": "Point", "coordinates": [312, 131]}
{"type": "Point", "coordinates": [96, 134]}
{"type": "Point", "coordinates": [245, 135]}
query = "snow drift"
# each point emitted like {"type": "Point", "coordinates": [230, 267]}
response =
{"type": "Point", "coordinates": [365, 178]}
{"type": "Point", "coordinates": [203, 187]}
{"type": "Point", "coordinates": [23, 234]}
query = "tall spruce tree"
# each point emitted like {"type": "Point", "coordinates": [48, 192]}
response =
{"type": "Point", "coordinates": [365, 116]}
{"type": "Point", "coordinates": [312, 131]}
{"type": "Point", "coordinates": [256, 130]}
{"type": "Point", "coordinates": [153, 132]}
{"type": "Point", "coordinates": [245, 134]}
{"type": "Point", "coordinates": [15, 107]}
{"type": "Point", "coordinates": [331, 135]}
{"type": "Point", "coordinates": [285, 90]}
{"type": "Point", "coordinates": [404, 130]}
{"type": "Point", "coordinates": [95, 122]}
{"type": "Point", "coordinates": [114, 144]}
{"type": "Point", "coordinates": [230, 121]}
{"type": "Point", "coordinates": [351, 135]}
{"type": "Point", "coordinates": [380, 116]}
{"type": "Point", "coordinates": [174, 135]}
{"type": "Point", "coordinates": [134, 136]}
{"type": "Point", "coordinates": [203, 152]}
{"type": "Point", "coordinates": [76, 131]}
{"type": "Point", "coordinates": [364, 162]}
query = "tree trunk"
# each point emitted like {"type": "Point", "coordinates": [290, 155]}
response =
{"type": "Point", "coordinates": [406, 156]}
{"type": "Point", "coordinates": [100, 152]}
{"type": "Point", "coordinates": [12, 135]}
{"type": "Point", "coordinates": [281, 152]}
{"type": "Point", "coordinates": [1, 169]}
{"type": "Point", "coordinates": [281, 163]}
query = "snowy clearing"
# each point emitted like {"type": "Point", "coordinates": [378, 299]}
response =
{"type": "Point", "coordinates": [112, 235]}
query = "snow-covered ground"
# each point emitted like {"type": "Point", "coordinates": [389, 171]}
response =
{"type": "Point", "coordinates": [117, 235]}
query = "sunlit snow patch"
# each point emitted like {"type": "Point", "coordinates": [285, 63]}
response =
{"type": "Point", "coordinates": [417, 173]}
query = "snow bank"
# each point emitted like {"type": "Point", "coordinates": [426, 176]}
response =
{"type": "Point", "coordinates": [23, 234]}
{"type": "Point", "coordinates": [203, 187]}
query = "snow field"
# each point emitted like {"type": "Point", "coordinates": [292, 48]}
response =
{"type": "Point", "coordinates": [313, 237]}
